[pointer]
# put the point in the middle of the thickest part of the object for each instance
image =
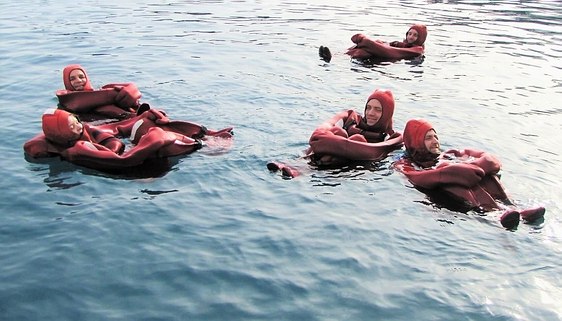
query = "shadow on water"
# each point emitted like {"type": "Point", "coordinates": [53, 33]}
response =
{"type": "Point", "coordinates": [375, 61]}
{"type": "Point", "coordinates": [333, 174]}
{"type": "Point", "coordinates": [351, 166]}
{"type": "Point", "coordinates": [368, 66]}
{"type": "Point", "coordinates": [440, 198]}
{"type": "Point", "coordinates": [151, 168]}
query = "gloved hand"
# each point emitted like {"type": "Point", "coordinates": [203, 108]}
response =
{"type": "Point", "coordinates": [394, 135]}
{"type": "Point", "coordinates": [157, 116]}
{"type": "Point", "coordinates": [489, 163]}
{"type": "Point", "coordinates": [357, 38]}
{"type": "Point", "coordinates": [352, 130]}
{"type": "Point", "coordinates": [128, 96]}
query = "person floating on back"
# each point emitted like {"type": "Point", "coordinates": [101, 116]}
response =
{"type": "Point", "coordinates": [465, 176]}
{"type": "Point", "coordinates": [412, 46]}
{"type": "Point", "coordinates": [350, 136]}
{"type": "Point", "coordinates": [101, 147]}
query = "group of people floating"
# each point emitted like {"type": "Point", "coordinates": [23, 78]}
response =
{"type": "Point", "coordinates": [466, 176]}
{"type": "Point", "coordinates": [120, 114]}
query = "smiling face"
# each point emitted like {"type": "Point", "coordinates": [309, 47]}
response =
{"type": "Point", "coordinates": [431, 142]}
{"type": "Point", "coordinates": [411, 36]}
{"type": "Point", "coordinates": [78, 79]}
{"type": "Point", "coordinates": [373, 112]}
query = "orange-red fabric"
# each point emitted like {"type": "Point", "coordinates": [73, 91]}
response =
{"type": "Point", "coordinates": [100, 148]}
{"type": "Point", "coordinates": [414, 141]}
{"type": "Point", "coordinates": [474, 181]}
{"type": "Point", "coordinates": [325, 142]}
{"type": "Point", "coordinates": [384, 124]}
{"type": "Point", "coordinates": [66, 77]}
{"type": "Point", "coordinates": [376, 49]}
{"type": "Point", "coordinates": [55, 126]}
{"type": "Point", "coordinates": [87, 101]}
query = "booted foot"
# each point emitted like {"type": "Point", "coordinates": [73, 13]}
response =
{"type": "Point", "coordinates": [142, 108]}
{"type": "Point", "coordinates": [533, 214]}
{"type": "Point", "coordinates": [510, 219]}
{"type": "Point", "coordinates": [288, 171]}
{"type": "Point", "coordinates": [273, 166]}
{"type": "Point", "coordinates": [325, 53]}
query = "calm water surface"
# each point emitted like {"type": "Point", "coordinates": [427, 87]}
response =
{"type": "Point", "coordinates": [218, 237]}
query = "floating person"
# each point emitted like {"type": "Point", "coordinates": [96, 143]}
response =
{"type": "Point", "coordinates": [349, 136]}
{"type": "Point", "coordinates": [365, 48]}
{"type": "Point", "coordinates": [465, 177]}
{"type": "Point", "coordinates": [118, 101]}
{"type": "Point", "coordinates": [100, 147]}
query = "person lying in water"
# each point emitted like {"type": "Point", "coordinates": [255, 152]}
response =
{"type": "Point", "coordinates": [466, 175]}
{"type": "Point", "coordinates": [366, 48]}
{"type": "Point", "coordinates": [152, 134]}
{"type": "Point", "coordinates": [112, 100]}
{"type": "Point", "coordinates": [349, 136]}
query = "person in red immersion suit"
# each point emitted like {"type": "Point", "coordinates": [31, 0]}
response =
{"type": "Point", "coordinates": [415, 36]}
{"type": "Point", "coordinates": [100, 147]}
{"type": "Point", "coordinates": [351, 136]}
{"type": "Point", "coordinates": [366, 48]}
{"type": "Point", "coordinates": [112, 100]}
{"type": "Point", "coordinates": [348, 136]}
{"type": "Point", "coordinates": [75, 78]}
{"type": "Point", "coordinates": [466, 175]}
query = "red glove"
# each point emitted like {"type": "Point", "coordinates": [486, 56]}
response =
{"type": "Point", "coordinates": [357, 38]}
{"type": "Point", "coordinates": [108, 140]}
{"type": "Point", "coordinates": [128, 96]}
{"type": "Point", "coordinates": [157, 116]}
{"type": "Point", "coordinates": [489, 163]}
{"type": "Point", "coordinates": [394, 135]}
{"type": "Point", "coordinates": [339, 131]}
{"type": "Point", "coordinates": [115, 145]}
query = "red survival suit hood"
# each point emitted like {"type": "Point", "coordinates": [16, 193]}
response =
{"type": "Point", "coordinates": [384, 124]}
{"type": "Point", "coordinates": [422, 34]}
{"type": "Point", "coordinates": [55, 126]}
{"type": "Point", "coordinates": [66, 77]}
{"type": "Point", "coordinates": [414, 141]}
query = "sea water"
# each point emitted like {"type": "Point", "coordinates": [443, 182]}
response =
{"type": "Point", "coordinates": [216, 236]}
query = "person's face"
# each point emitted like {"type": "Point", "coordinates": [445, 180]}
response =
{"type": "Point", "coordinates": [373, 112]}
{"type": "Point", "coordinates": [75, 126]}
{"type": "Point", "coordinates": [432, 142]}
{"type": "Point", "coordinates": [78, 79]}
{"type": "Point", "coordinates": [412, 36]}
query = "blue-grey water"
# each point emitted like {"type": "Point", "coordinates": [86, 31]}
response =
{"type": "Point", "coordinates": [219, 237]}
